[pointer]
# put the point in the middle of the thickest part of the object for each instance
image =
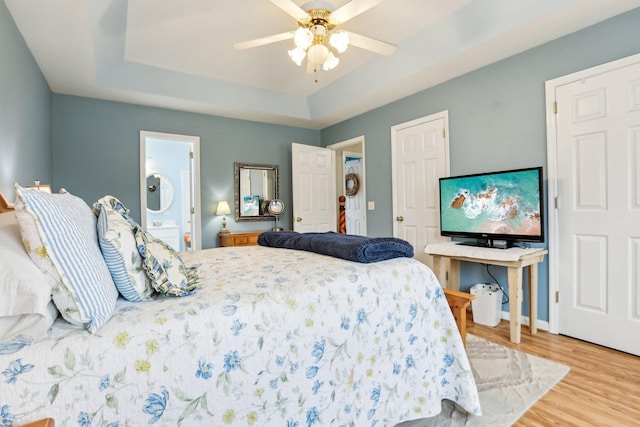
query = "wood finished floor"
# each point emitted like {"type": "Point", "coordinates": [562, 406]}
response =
{"type": "Point", "coordinates": [601, 389]}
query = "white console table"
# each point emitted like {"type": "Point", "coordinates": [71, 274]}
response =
{"type": "Point", "coordinates": [514, 259]}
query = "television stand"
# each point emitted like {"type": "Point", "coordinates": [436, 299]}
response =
{"type": "Point", "coordinates": [514, 259]}
{"type": "Point", "coordinates": [487, 243]}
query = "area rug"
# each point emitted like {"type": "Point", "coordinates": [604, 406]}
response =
{"type": "Point", "coordinates": [509, 383]}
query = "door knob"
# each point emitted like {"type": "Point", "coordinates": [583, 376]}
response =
{"type": "Point", "coordinates": [399, 218]}
{"type": "Point", "coordinates": [298, 219]}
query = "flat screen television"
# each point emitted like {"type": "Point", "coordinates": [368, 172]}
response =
{"type": "Point", "coordinates": [496, 209]}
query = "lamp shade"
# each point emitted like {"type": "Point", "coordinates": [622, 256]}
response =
{"type": "Point", "coordinates": [223, 208]}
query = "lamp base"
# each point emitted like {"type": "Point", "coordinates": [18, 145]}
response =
{"type": "Point", "coordinates": [277, 229]}
{"type": "Point", "coordinates": [224, 226]}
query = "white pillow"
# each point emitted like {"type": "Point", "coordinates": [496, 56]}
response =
{"type": "Point", "coordinates": [26, 309]}
{"type": "Point", "coordinates": [115, 234]}
{"type": "Point", "coordinates": [59, 232]}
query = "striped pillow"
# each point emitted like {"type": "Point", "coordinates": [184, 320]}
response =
{"type": "Point", "coordinates": [115, 234]}
{"type": "Point", "coordinates": [59, 232]}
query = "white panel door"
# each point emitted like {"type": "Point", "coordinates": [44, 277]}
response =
{"type": "Point", "coordinates": [420, 156]}
{"type": "Point", "coordinates": [598, 190]}
{"type": "Point", "coordinates": [355, 212]}
{"type": "Point", "coordinates": [314, 189]}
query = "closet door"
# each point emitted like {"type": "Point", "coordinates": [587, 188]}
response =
{"type": "Point", "coordinates": [598, 205]}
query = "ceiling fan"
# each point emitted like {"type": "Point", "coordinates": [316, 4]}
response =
{"type": "Point", "coordinates": [316, 38]}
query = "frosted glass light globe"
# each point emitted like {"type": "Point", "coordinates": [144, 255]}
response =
{"type": "Point", "coordinates": [302, 38]}
{"type": "Point", "coordinates": [340, 40]}
{"type": "Point", "coordinates": [331, 62]}
{"type": "Point", "coordinates": [318, 53]}
{"type": "Point", "coordinates": [297, 55]}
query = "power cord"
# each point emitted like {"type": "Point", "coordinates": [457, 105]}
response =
{"type": "Point", "coordinates": [522, 245]}
{"type": "Point", "coordinates": [505, 295]}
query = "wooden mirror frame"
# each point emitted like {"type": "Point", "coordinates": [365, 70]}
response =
{"type": "Point", "coordinates": [263, 215]}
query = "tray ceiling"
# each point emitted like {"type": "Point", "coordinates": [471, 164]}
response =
{"type": "Point", "coordinates": [179, 54]}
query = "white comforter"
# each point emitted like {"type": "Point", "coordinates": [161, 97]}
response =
{"type": "Point", "coordinates": [274, 337]}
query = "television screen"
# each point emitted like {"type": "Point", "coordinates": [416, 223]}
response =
{"type": "Point", "coordinates": [493, 206]}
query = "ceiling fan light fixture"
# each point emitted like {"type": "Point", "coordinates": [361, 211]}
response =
{"type": "Point", "coordinates": [331, 62]}
{"type": "Point", "coordinates": [297, 55]}
{"type": "Point", "coordinates": [340, 41]}
{"type": "Point", "coordinates": [319, 30]}
{"type": "Point", "coordinates": [315, 39]}
{"type": "Point", "coordinates": [318, 54]}
{"type": "Point", "coordinates": [303, 38]}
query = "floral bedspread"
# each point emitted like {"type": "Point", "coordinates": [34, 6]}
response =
{"type": "Point", "coordinates": [273, 337]}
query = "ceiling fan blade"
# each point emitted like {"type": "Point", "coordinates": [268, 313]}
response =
{"type": "Point", "coordinates": [291, 9]}
{"type": "Point", "coordinates": [352, 9]}
{"type": "Point", "coordinates": [370, 44]}
{"type": "Point", "coordinates": [264, 40]}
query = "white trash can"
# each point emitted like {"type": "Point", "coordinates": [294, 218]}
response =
{"type": "Point", "coordinates": [487, 306]}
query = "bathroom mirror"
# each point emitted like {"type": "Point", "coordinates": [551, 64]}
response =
{"type": "Point", "coordinates": [159, 193]}
{"type": "Point", "coordinates": [255, 186]}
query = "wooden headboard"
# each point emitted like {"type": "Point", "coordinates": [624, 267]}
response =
{"type": "Point", "coordinates": [4, 205]}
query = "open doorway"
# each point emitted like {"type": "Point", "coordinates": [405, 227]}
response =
{"type": "Point", "coordinates": [355, 211]}
{"type": "Point", "coordinates": [351, 182]}
{"type": "Point", "coordinates": [170, 188]}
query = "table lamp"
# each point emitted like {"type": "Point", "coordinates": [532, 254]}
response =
{"type": "Point", "coordinates": [223, 209]}
{"type": "Point", "coordinates": [41, 187]}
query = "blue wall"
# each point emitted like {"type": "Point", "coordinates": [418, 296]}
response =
{"type": "Point", "coordinates": [25, 112]}
{"type": "Point", "coordinates": [496, 120]}
{"type": "Point", "coordinates": [96, 151]}
{"type": "Point", "coordinates": [91, 147]}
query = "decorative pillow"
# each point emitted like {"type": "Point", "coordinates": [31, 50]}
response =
{"type": "Point", "coordinates": [26, 310]}
{"type": "Point", "coordinates": [115, 234]}
{"type": "Point", "coordinates": [165, 268]}
{"type": "Point", "coordinates": [59, 233]}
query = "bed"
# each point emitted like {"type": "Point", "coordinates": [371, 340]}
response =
{"type": "Point", "coordinates": [267, 337]}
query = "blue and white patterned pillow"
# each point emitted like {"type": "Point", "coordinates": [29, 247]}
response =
{"type": "Point", "coordinates": [59, 232]}
{"type": "Point", "coordinates": [165, 268]}
{"type": "Point", "coordinates": [116, 236]}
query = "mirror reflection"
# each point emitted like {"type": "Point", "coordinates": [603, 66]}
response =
{"type": "Point", "coordinates": [159, 192]}
{"type": "Point", "coordinates": [255, 186]}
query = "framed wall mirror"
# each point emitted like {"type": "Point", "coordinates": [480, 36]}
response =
{"type": "Point", "coordinates": [255, 186]}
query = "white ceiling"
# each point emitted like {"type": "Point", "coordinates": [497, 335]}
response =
{"type": "Point", "coordinates": [179, 54]}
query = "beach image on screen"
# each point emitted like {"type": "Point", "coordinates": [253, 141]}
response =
{"type": "Point", "coordinates": [503, 203]}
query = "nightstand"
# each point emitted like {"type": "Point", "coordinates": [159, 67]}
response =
{"type": "Point", "coordinates": [239, 239]}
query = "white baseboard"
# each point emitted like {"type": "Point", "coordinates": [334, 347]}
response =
{"type": "Point", "coordinates": [541, 324]}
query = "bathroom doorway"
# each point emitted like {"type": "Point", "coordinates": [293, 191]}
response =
{"type": "Point", "coordinates": [170, 188]}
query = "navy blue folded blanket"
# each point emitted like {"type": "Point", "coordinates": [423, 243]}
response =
{"type": "Point", "coordinates": [345, 246]}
